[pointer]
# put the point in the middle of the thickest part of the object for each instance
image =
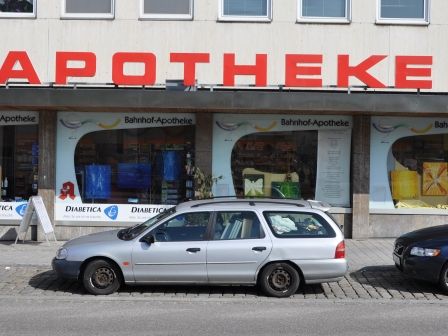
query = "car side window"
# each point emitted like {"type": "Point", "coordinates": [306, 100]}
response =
{"type": "Point", "coordinates": [286, 224]}
{"type": "Point", "coordinates": [231, 225]}
{"type": "Point", "coordinates": [184, 227]}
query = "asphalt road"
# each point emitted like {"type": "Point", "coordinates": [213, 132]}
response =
{"type": "Point", "coordinates": [59, 316]}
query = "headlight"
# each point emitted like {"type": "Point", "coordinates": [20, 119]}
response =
{"type": "Point", "coordinates": [424, 252]}
{"type": "Point", "coordinates": [62, 253]}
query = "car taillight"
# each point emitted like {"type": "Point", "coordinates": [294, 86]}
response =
{"type": "Point", "coordinates": [340, 251]}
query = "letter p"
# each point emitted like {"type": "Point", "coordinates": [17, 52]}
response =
{"type": "Point", "coordinates": [63, 71]}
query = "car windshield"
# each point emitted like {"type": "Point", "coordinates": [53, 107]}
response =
{"type": "Point", "coordinates": [132, 232]}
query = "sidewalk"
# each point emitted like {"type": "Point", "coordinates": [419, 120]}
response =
{"type": "Point", "coordinates": [360, 253]}
{"type": "Point", "coordinates": [25, 270]}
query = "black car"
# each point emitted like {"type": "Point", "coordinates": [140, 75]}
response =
{"type": "Point", "coordinates": [423, 255]}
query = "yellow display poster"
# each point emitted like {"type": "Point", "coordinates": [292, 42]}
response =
{"type": "Point", "coordinates": [435, 179]}
{"type": "Point", "coordinates": [404, 184]}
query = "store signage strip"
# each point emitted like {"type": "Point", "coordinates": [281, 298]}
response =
{"type": "Point", "coordinates": [301, 70]}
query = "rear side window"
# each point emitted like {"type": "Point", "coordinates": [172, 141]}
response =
{"type": "Point", "coordinates": [291, 224]}
{"type": "Point", "coordinates": [232, 225]}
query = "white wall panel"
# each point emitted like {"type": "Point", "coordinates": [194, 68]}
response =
{"type": "Point", "coordinates": [43, 36]}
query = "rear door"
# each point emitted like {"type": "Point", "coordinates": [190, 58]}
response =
{"type": "Point", "coordinates": [237, 248]}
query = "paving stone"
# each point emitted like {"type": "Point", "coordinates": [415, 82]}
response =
{"type": "Point", "coordinates": [371, 276]}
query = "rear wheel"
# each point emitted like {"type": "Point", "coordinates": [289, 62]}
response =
{"type": "Point", "coordinates": [279, 280]}
{"type": "Point", "coordinates": [101, 277]}
{"type": "Point", "coordinates": [443, 281]}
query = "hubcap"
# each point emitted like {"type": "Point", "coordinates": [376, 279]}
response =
{"type": "Point", "coordinates": [103, 277]}
{"type": "Point", "coordinates": [280, 279]}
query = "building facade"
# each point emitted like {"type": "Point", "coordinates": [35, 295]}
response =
{"type": "Point", "coordinates": [107, 107]}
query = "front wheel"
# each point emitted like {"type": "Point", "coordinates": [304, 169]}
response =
{"type": "Point", "coordinates": [443, 281]}
{"type": "Point", "coordinates": [101, 277]}
{"type": "Point", "coordinates": [279, 280]}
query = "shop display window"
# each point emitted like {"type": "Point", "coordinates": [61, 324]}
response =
{"type": "Point", "coordinates": [19, 153]}
{"type": "Point", "coordinates": [418, 172]}
{"type": "Point", "coordinates": [18, 8]}
{"type": "Point", "coordinates": [276, 165]}
{"type": "Point", "coordinates": [139, 165]}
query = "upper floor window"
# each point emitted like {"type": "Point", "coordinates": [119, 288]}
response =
{"type": "Point", "coordinates": [18, 8]}
{"type": "Point", "coordinates": [166, 9]}
{"type": "Point", "coordinates": [88, 9]}
{"type": "Point", "coordinates": [324, 11]}
{"type": "Point", "coordinates": [403, 11]}
{"type": "Point", "coordinates": [245, 10]}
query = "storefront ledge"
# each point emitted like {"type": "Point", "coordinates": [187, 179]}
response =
{"type": "Point", "coordinates": [337, 210]}
{"type": "Point", "coordinates": [10, 222]}
{"type": "Point", "coordinates": [95, 224]}
{"type": "Point", "coordinates": [405, 211]}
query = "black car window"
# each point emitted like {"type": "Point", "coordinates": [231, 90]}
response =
{"type": "Point", "coordinates": [237, 225]}
{"type": "Point", "coordinates": [184, 227]}
{"type": "Point", "coordinates": [292, 224]}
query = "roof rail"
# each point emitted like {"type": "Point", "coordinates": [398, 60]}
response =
{"type": "Point", "coordinates": [252, 202]}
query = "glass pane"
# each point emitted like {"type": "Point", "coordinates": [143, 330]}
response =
{"type": "Point", "coordinates": [19, 156]}
{"type": "Point", "coordinates": [88, 6]}
{"type": "Point", "coordinates": [136, 166]}
{"type": "Point", "coordinates": [418, 171]}
{"type": "Point", "coordinates": [184, 227]}
{"type": "Point", "coordinates": [276, 165]}
{"type": "Point", "coordinates": [167, 7]}
{"type": "Point", "coordinates": [296, 224]}
{"type": "Point", "coordinates": [324, 8]}
{"type": "Point", "coordinates": [404, 9]}
{"type": "Point", "coordinates": [237, 225]}
{"type": "Point", "coordinates": [16, 6]}
{"type": "Point", "coordinates": [246, 7]}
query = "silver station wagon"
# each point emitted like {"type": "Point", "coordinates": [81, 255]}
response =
{"type": "Point", "coordinates": [275, 244]}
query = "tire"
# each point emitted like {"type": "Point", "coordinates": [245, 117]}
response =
{"type": "Point", "coordinates": [101, 277]}
{"type": "Point", "coordinates": [279, 280]}
{"type": "Point", "coordinates": [443, 281]}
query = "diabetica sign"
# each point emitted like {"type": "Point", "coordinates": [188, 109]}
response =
{"type": "Point", "coordinates": [71, 128]}
{"type": "Point", "coordinates": [333, 152]}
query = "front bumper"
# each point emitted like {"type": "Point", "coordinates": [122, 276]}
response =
{"type": "Point", "coordinates": [421, 268]}
{"type": "Point", "coordinates": [66, 269]}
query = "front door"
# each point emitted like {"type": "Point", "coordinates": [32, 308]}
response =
{"type": "Point", "coordinates": [178, 254]}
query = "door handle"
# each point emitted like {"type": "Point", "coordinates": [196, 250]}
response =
{"type": "Point", "coordinates": [193, 249]}
{"type": "Point", "coordinates": [259, 248]}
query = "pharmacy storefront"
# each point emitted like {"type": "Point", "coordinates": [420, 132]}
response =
{"type": "Point", "coordinates": [413, 153]}
{"type": "Point", "coordinates": [121, 168]}
{"type": "Point", "coordinates": [283, 156]}
{"type": "Point", "coordinates": [19, 153]}
{"type": "Point", "coordinates": [408, 176]}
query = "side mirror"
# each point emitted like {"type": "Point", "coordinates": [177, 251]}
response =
{"type": "Point", "coordinates": [149, 239]}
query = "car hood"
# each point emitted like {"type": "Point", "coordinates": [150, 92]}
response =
{"type": "Point", "coordinates": [430, 233]}
{"type": "Point", "coordinates": [99, 237]}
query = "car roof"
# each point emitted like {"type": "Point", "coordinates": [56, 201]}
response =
{"type": "Point", "coordinates": [265, 203]}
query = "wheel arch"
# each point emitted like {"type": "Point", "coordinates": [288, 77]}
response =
{"type": "Point", "coordinates": [87, 261]}
{"type": "Point", "coordinates": [289, 262]}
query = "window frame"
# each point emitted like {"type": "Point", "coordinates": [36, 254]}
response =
{"type": "Point", "coordinates": [262, 233]}
{"type": "Point", "coordinates": [153, 230]}
{"type": "Point", "coordinates": [146, 16]}
{"type": "Point", "coordinates": [87, 16]}
{"type": "Point", "coordinates": [243, 18]}
{"type": "Point", "coordinates": [331, 233]}
{"type": "Point", "coordinates": [403, 21]}
{"type": "Point", "coordinates": [18, 15]}
{"type": "Point", "coordinates": [324, 19]}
